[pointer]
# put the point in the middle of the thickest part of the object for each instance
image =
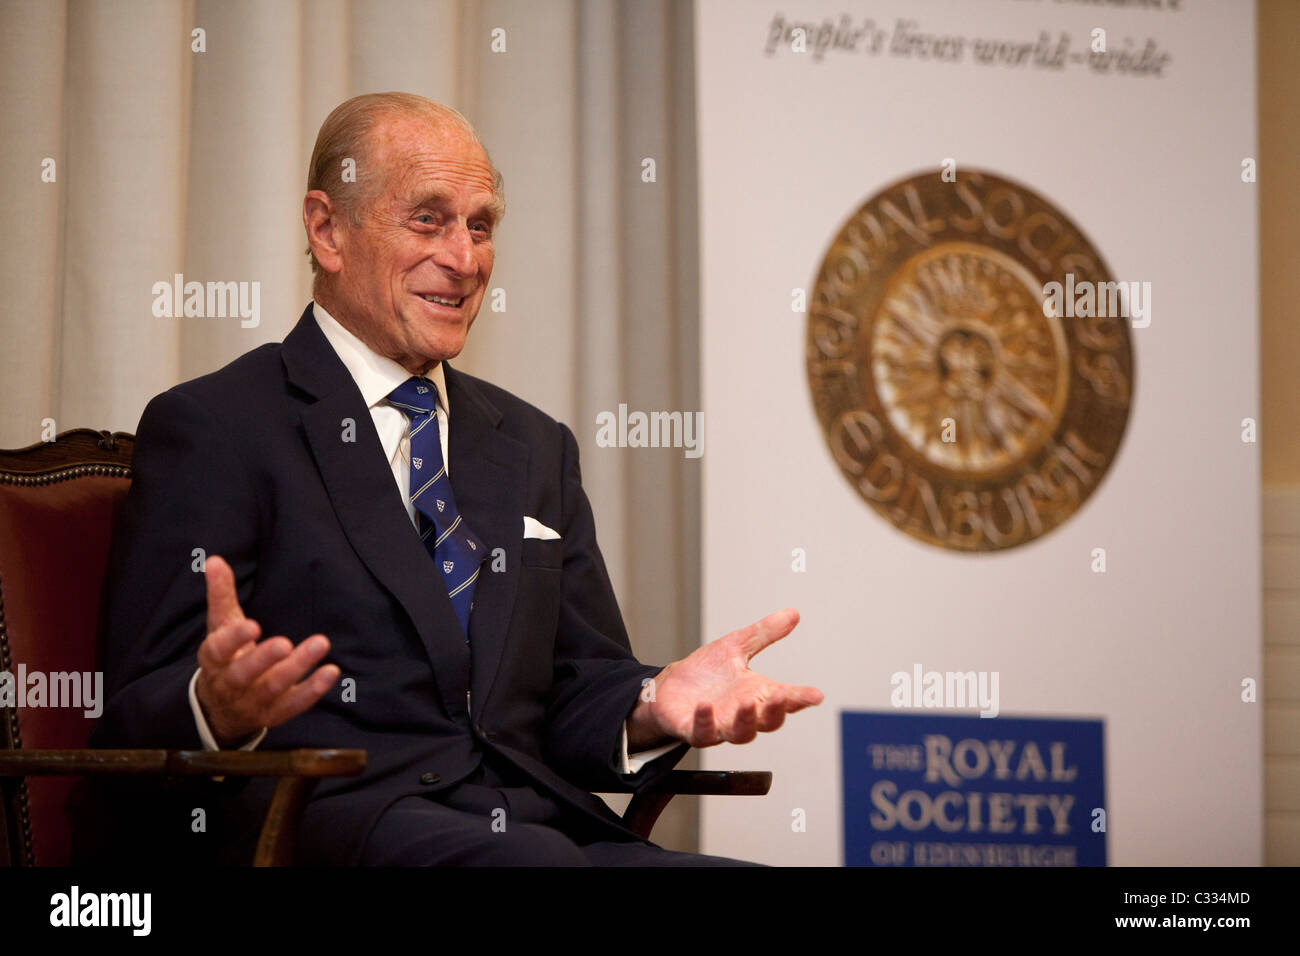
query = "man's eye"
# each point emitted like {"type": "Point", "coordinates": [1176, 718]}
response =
{"type": "Point", "coordinates": [425, 218]}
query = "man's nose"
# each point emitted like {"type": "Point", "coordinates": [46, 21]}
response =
{"type": "Point", "coordinates": [456, 250]}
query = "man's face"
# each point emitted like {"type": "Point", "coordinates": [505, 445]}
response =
{"type": "Point", "coordinates": [414, 271]}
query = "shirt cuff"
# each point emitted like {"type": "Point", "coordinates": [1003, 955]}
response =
{"type": "Point", "coordinates": [205, 732]}
{"type": "Point", "coordinates": [634, 764]}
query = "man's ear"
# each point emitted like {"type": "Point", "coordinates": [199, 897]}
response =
{"type": "Point", "coordinates": [325, 230]}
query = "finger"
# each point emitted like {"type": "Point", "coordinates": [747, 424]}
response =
{"type": "Point", "coordinates": [246, 668]}
{"type": "Point", "coordinates": [773, 716]}
{"type": "Point", "coordinates": [280, 677]}
{"type": "Point", "coordinates": [704, 732]}
{"type": "Point", "coordinates": [768, 631]}
{"type": "Point", "coordinates": [745, 727]}
{"type": "Point", "coordinates": [221, 646]}
{"type": "Point", "coordinates": [223, 602]}
{"type": "Point", "coordinates": [303, 696]}
{"type": "Point", "coordinates": [797, 698]}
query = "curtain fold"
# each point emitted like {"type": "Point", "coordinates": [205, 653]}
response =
{"type": "Point", "coordinates": [33, 171]}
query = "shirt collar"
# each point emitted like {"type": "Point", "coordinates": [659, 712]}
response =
{"type": "Point", "coordinates": [376, 375]}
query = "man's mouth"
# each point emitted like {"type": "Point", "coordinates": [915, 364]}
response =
{"type": "Point", "coordinates": [442, 300]}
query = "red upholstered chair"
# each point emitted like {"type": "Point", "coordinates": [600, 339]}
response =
{"type": "Point", "coordinates": [58, 502]}
{"type": "Point", "coordinates": [57, 505]}
{"type": "Point", "coordinates": [55, 524]}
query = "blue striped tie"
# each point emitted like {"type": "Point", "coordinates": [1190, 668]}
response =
{"type": "Point", "coordinates": [455, 549]}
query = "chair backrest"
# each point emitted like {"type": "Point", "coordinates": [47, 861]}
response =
{"type": "Point", "coordinates": [58, 502]}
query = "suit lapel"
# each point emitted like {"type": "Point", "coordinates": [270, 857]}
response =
{"type": "Point", "coordinates": [360, 486]}
{"type": "Point", "coordinates": [489, 473]}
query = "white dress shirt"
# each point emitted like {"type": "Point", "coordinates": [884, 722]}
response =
{"type": "Point", "coordinates": [376, 377]}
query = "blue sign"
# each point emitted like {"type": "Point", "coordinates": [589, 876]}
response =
{"type": "Point", "coordinates": [940, 790]}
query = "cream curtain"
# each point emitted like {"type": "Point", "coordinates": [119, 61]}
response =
{"type": "Point", "coordinates": [165, 160]}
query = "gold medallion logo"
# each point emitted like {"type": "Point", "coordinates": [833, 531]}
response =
{"type": "Point", "coordinates": [962, 409]}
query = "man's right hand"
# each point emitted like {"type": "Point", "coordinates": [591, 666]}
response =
{"type": "Point", "coordinates": [244, 685]}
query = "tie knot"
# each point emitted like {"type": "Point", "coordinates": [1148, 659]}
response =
{"type": "Point", "coordinates": [415, 396]}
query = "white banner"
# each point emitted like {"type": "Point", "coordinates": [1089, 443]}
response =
{"type": "Point", "coordinates": [1136, 123]}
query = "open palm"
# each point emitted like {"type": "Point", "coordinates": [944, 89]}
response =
{"type": "Point", "coordinates": [712, 696]}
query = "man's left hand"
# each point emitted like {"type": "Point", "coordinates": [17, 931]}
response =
{"type": "Point", "coordinates": [712, 697]}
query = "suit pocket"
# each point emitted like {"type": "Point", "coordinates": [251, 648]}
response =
{"type": "Point", "coordinates": [539, 553]}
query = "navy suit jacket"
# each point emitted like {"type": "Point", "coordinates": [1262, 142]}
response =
{"type": "Point", "coordinates": [273, 463]}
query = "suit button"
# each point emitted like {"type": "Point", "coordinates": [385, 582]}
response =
{"type": "Point", "coordinates": [429, 779]}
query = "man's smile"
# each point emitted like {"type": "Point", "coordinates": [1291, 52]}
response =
{"type": "Point", "coordinates": [449, 301]}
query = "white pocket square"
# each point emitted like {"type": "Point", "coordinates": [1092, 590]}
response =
{"type": "Point", "coordinates": [535, 529]}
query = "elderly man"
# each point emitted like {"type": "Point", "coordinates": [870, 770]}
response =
{"type": "Point", "coordinates": [423, 536]}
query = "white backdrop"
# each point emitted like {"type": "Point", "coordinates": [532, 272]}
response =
{"type": "Point", "coordinates": [1150, 169]}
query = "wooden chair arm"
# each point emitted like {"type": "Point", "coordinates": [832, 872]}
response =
{"type": "Point", "coordinates": [647, 803]}
{"type": "Point", "coordinates": [183, 763]}
{"type": "Point", "coordinates": [301, 770]}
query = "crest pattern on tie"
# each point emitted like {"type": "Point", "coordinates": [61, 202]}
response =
{"type": "Point", "coordinates": [450, 542]}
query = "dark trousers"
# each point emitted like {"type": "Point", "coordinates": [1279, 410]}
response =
{"type": "Point", "coordinates": [492, 819]}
